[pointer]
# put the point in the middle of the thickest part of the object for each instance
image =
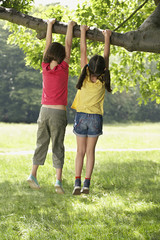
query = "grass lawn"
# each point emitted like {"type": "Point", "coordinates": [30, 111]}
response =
{"type": "Point", "coordinates": [124, 199]}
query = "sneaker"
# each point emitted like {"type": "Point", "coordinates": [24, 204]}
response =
{"type": "Point", "coordinates": [85, 190]}
{"type": "Point", "coordinates": [33, 183]}
{"type": "Point", "coordinates": [86, 185]}
{"type": "Point", "coordinates": [58, 187]}
{"type": "Point", "coordinates": [77, 187]}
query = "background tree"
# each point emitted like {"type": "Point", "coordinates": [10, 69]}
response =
{"type": "Point", "coordinates": [128, 69]}
{"type": "Point", "coordinates": [140, 39]}
{"type": "Point", "coordinates": [137, 70]}
{"type": "Point", "coordinates": [21, 88]}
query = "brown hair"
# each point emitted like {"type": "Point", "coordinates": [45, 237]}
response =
{"type": "Point", "coordinates": [56, 52]}
{"type": "Point", "coordinates": [96, 67]}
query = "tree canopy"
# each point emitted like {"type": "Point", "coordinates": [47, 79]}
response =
{"type": "Point", "coordinates": [135, 40]}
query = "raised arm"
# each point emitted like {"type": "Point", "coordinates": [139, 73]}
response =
{"type": "Point", "coordinates": [107, 34]}
{"type": "Point", "coordinates": [49, 34]}
{"type": "Point", "coordinates": [83, 45]}
{"type": "Point", "coordinates": [68, 40]}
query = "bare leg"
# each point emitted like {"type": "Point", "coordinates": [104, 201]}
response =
{"type": "Point", "coordinates": [58, 185]}
{"type": "Point", "coordinates": [81, 149]}
{"type": "Point", "coordinates": [90, 152]}
{"type": "Point", "coordinates": [34, 170]}
{"type": "Point", "coordinates": [59, 174]}
{"type": "Point", "coordinates": [32, 179]}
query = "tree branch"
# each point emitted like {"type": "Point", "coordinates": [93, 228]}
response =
{"type": "Point", "coordinates": [153, 21]}
{"type": "Point", "coordinates": [146, 38]}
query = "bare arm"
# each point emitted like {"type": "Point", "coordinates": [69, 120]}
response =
{"type": "Point", "coordinates": [68, 40]}
{"type": "Point", "coordinates": [83, 45]}
{"type": "Point", "coordinates": [49, 34]}
{"type": "Point", "coordinates": [107, 33]}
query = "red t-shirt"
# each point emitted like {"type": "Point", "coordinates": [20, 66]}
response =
{"type": "Point", "coordinates": [55, 84]}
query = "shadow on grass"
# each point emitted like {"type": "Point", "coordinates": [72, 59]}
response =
{"type": "Point", "coordinates": [138, 177]}
{"type": "Point", "coordinates": [123, 204]}
{"type": "Point", "coordinates": [27, 211]}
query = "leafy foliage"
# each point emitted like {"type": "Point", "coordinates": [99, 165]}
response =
{"type": "Point", "coordinates": [21, 88]}
{"type": "Point", "coordinates": [20, 5]}
{"type": "Point", "coordinates": [128, 70]}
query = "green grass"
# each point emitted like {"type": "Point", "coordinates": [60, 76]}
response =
{"type": "Point", "coordinates": [19, 137]}
{"type": "Point", "coordinates": [124, 200]}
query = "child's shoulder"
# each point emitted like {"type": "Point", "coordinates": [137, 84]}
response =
{"type": "Point", "coordinates": [44, 64]}
{"type": "Point", "coordinates": [62, 64]}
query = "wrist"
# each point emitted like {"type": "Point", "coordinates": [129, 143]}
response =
{"type": "Point", "coordinates": [71, 24]}
{"type": "Point", "coordinates": [50, 24]}
{"type": "Point", "coordinates": [83, 30]}
{"type": "Point", "coordinates": [107, 36]}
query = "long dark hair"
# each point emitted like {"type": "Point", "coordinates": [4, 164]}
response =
{"type": "Point", "coordinates": [96, 67]}
{"type": "Point", "coordinates": [56, 52]}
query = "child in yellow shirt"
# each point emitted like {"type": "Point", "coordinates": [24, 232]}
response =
{"type": "Point", "coordinates": [88, 103]}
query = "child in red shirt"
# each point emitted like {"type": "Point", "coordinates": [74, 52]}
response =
{"type": "Point", "coordinates": [52, 120]}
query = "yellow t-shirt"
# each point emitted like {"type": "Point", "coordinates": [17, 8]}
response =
{"type": "Point", "coordinates": [90, 98]}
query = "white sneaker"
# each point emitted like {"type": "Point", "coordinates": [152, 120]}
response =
{"type": "Point", "coordinates": [77, 187]}
{"type": "Point", "coordinates": [33, 183]}
{"type": "Point", "coordinates": [85, 190]}
{"type": "Point", "coordinates": [58, 187]}
{"type": "Point", "coordinates": [76, 190]}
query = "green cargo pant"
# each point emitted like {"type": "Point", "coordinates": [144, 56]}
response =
{"type": "Point", "coordinates": [51, 125]}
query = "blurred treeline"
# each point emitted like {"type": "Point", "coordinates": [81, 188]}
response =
{"type": "Point", "coordinates": [21, 89]}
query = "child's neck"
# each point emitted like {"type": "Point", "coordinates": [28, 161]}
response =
{"type": "Point", "coordinates": [53, 64]}
{"type": "Point", "coordinates": [93, 78]}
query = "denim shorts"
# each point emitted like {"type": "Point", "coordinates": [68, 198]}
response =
{"type": "Point", "coordinates": [88, 124]}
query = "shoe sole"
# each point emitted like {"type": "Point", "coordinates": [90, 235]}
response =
{"type": "Point", "coordinates": [32, 184]}
{"type": "Point", "coordinates": [59, 190]}
{"type": "Point", "coordinates": [76, 191]}
{"type": "Point", "coordinates": [85, 190]}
